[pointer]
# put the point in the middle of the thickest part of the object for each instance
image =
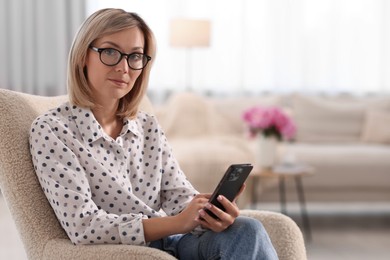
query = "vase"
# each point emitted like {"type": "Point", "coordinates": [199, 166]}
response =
{"type": "Point", "coordinates": [266, 151]}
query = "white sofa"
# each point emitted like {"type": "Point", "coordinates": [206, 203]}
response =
{"type": "Point", "coordinates": [345, 138]}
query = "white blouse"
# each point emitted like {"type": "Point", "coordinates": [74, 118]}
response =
{"type": "Point", "coordinates": [101, 188]}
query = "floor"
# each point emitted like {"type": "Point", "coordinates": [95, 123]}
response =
{"type": "Point", "coordinates": [344, 231]}
{"type": "Point", "coordinates": [342, 234]}
{"type": "Point", "coordinates": [10, 244]}
{"type": "Point", "coordinates": [349, 244]}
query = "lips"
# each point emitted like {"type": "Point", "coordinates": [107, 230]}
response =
{"type": "Point", "coordinates": [119, 82]}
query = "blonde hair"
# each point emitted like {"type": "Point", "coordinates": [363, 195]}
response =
{"type": "Point", "coordinates": [99, 24]}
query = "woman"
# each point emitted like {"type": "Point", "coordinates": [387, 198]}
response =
{"type": "Point", "coordinates": [107, 169]}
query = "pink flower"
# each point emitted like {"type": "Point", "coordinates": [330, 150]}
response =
{"type": "Point", "coordinates": [269, 121]}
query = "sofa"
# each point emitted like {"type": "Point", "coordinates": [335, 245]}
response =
{"type": "Point", "coordinates": [345, 139]}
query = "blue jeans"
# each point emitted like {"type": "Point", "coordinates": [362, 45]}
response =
{"type": "Point", "coordinates": [245, 239]}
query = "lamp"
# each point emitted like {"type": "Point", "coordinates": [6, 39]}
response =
{"type": "Point", "coordinates": [188, 34]}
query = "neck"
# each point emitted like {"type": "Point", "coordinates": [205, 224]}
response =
{"type": "Point", "coordinates": [107, 118]}
{"type": "Point", "coordinates": [105, 113]}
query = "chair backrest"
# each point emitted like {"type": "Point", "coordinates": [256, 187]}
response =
{"type": "Point", "coordinates": [33, 215]}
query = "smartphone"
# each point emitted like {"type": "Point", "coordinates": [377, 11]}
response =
{"type": "Point", "coordinates": [230, 184]}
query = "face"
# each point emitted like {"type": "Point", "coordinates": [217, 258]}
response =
{"type": "Point", "coordinates": [111, 83]}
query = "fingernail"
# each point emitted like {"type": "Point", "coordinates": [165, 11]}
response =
{"type": "Point", "coordinates": [208, 205]}
{"type": "Point", "coordinates": [201, 213]}
{"type": "Point", "coordinates": [219, 198]}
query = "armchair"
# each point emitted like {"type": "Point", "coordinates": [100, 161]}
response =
{"type": "Point", "coordinates": [38, 227]}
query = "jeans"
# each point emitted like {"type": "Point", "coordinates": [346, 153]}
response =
{"type": "Point", "coordinates": [245, 239]}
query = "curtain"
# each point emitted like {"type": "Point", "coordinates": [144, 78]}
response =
{"type": "Point", "coordinates": [35, 40]}
{"type": "Point", "coordinates": [272, 45]}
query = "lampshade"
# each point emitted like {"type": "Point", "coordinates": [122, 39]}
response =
{"type": "Point", "coordinates": [189, 33]}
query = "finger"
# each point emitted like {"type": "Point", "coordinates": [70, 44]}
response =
{"type": "Point", "coordinates": [215, 212]}
{"type": "Point", "coordinates": [203, 195]}
{"type": "Point", "coordinates": [209, 222]}
{"type": "Point", "coordinates": [216, 216]}
{"type": "Point", "coordinates": [207, 195]}
{"type": "Point", "coordinates": [230, 207]}
{"type": "Point", "coordinates": [224, 219]}
{"type": "Point", "coordinates": [200, 199]}
{"type": "Point", "coordinates": [204, 213]}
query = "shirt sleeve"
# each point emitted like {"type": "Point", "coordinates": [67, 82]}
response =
{"type": "Point", "coordinates": [66, 187]}
{"type": "Point", "coordinates": [176, 190]}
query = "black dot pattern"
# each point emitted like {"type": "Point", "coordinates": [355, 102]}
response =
{"type": "Point", "coordinates": [101, 188]}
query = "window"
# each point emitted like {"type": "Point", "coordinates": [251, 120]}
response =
{"type": "Point", "coordinates": [272, 45]}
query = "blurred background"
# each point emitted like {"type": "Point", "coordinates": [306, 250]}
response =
{"type": "Point", "coordinates": [253, 45]}
{"type": "Point", "coordinates": [235, 48]}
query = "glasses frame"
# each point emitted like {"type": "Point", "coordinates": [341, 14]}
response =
{"type": "Point", "coordinates": [127, 55]}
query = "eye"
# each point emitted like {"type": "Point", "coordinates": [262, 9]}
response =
{"type": "Point", "coordinates": [136, 56]}
{"type": "Point", "coordinates": [110, 52]}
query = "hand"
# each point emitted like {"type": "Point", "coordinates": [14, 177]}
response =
{"type": "Point", "coordinates": [189, 217]}
{"type": "Point", "coordinates": [224, 218]}
{"type": "Point", "coordinates": [184, 222]}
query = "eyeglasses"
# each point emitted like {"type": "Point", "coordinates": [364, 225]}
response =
{"type": "Point", "coordinates": [111, 57]}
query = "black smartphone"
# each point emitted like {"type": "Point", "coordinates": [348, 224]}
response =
{"type": "Point", "coordinates": [230, 184]}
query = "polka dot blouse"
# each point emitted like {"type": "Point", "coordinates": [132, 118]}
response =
{"type": "Point", "coordinates": [101, 188]}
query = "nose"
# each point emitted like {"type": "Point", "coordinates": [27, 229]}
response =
{"type": "Point", "coordinates": [122, 66]}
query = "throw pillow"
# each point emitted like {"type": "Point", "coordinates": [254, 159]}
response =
{"type": "Point", "coordinates": [376, 128]}
{"type": "Point", "coordinates": [231, 108]}
{"type": "Point", "coordinates": [189, 115]}
{"type": "Point", "coordinates": [332, 119]}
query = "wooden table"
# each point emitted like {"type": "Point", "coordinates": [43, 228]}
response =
{"type": "Point", "coordinates": [282, 173]}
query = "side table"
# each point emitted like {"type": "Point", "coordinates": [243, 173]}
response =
{"type": "Point", "coordinates": [284, 172]}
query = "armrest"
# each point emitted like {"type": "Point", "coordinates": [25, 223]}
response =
{"type": "Point", "coordinates": [64, 249]}
{"type": "Point", "coordinates": [284, 233]}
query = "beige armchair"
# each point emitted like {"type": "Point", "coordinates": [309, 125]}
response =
{"type": "Point", "coordinates": [42, 235]}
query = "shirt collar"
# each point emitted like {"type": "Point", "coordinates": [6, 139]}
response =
{"type": "Point", "coordinates": [90, 128]}
{"type": "Point", "coordinates": [131, 126]}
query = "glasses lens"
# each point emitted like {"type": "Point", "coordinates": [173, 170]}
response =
{"type": "Point", "coordinates": [137, 61]}
{"type": "Point", "coordinates": [110, 56]}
